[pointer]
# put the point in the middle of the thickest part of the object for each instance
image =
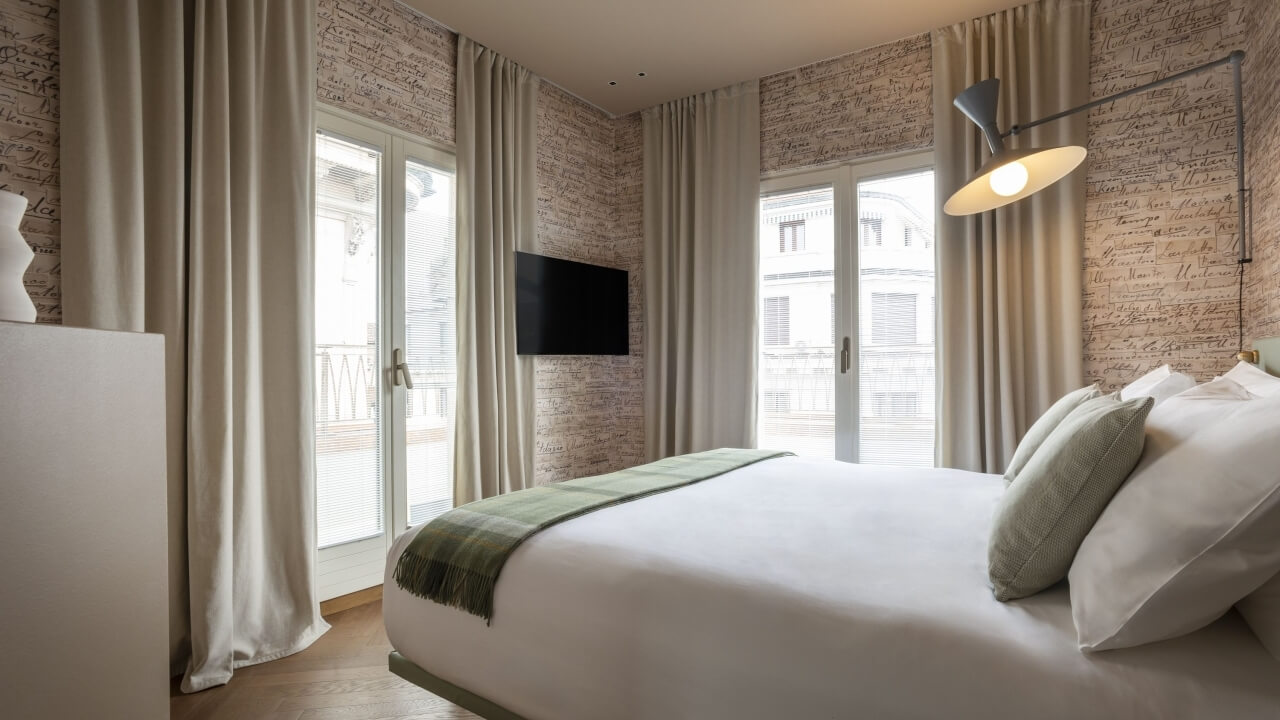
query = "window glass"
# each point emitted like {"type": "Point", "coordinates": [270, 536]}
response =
{"type": "Point", "coordinates": [349, 490]}
{"type": "Point", "coordinates": [896, 368]}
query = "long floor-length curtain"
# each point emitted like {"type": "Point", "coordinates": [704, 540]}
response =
{"type": "Point", "coordinates": [1009, 280]}
{"type": "Point", "coordinates": [187, 138]}
{"type": "Point", "coordinates": [497, 196]}
{"type": "Point", "coordinates": [701, 203]}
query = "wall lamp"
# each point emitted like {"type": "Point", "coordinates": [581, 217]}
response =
{"type": "Point", "coordinates": [1010, 175]}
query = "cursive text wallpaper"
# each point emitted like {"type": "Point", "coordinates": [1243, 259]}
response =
{"type": "Point", "coordinates": [1160, 276]}
{"type": "Point", "coordinates": [381, 60]}
{"type": "Point", "coordinates": [1262, 149]}
{"type": "Point", "coordinates": [589, 408]}
{"type": "Point", "coordinates": [29, 139]}
{"type": "Point", "coordinates": [1160, 271]}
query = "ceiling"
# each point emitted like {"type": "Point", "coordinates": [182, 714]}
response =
{"type": "Point", "coordinates": [684, 46]}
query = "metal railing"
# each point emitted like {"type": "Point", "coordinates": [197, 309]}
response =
{"type": "Point", "coordinates": [346, 383]}
{"type": "Point", "coordinates": [896, 388]}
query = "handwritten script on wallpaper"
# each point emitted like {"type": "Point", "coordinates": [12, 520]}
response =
{"type": "Point", "coordinates": [29, 149]}
{"type": "Point", "coordinates": [1160, 271]}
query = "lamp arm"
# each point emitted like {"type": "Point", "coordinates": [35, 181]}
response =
{"type": "Point", "coordinates": [1234, 59]}
{"type": "Point", "coordinates": [1246, 238]}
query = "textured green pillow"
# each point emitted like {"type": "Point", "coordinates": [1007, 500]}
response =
{"type": "Point", "coordinates": [1043, 517]}
{"type": "Point", "coordinates": [1045, 425]}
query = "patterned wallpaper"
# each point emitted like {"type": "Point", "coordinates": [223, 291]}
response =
{"type": "Point", "coordinates": [589, 408]}
{"type": "Point", "coordinates": [1160, 270]}
{"type": "Point", "coordinates": [381, 60]}
{"type": "Point", "coordinates": [29, 139]}
{"type": "Point", "coordinates": [1262, 149]}
{"type": "Point", "coordinates": [1160, 278]}
{"type": "Point", "coordinates": [1159, 275]}
{"type": "Point", "coordinates": [866, 103]}
{"type": "Point", "coordinates": [384, 61]}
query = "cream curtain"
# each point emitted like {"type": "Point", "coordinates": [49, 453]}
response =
{"type": "Point", "coordinates": [497, 197]}
{"type": "Point", "coordinates": [187, 132]}
{"type": "Point", "coordinates": [1010, 280]}
{"type": "Point", "coordinates": [701, 200]}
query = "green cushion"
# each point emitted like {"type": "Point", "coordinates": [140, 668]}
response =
{"type": "Point", "coordinates": [1043, 516]}
{"type": "Point", "coordinates": [1045, 425]}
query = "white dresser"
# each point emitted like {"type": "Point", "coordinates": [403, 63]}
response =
{"type": "Point", "coordinates": [83, 548]}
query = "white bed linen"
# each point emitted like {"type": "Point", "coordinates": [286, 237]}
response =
{"type": "Point", "coordinates": [800, 588]}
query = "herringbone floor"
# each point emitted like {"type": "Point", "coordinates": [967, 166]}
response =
{"type": "Point", "coordinates": [342, 676]}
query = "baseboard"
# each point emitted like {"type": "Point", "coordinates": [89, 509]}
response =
{"type": "Point", "coordinates": [350, 600]}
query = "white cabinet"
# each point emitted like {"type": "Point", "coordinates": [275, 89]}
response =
{"type": "Point", "coordinates": [83, 548]}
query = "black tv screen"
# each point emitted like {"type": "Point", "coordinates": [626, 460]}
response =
{"type": "Point", "coordinates": [569, 308]}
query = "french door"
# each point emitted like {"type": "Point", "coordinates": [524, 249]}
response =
{"type": "Point", "coordinates": [847, 312]}
{"type": "Point", "coordinates": [385, 348]}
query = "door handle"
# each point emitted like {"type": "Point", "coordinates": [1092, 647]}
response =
{"type": "Point", "coordinates": [400, 369]}
{"type": "Point", "coordinates": [845, 356]}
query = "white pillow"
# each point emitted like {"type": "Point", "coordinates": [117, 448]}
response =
{"type": "Point", "coordinates": [1159, 384]}
{"type": "Point", "coordinates": [1261, 609]}
{"type": "Point", "coordinates": [1194, 529]}
{"type": "Point", "coordinates": [1194, 409]}
{"type": "Point", "coordinates": [1254, 379]}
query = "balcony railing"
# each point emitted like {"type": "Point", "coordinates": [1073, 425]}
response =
{"type": "Point", "coordinates": [348, 440]}
{"type": "Point", "coordinates": [797, 409]}
{"type": "Point", "coordinates": [346, 383]}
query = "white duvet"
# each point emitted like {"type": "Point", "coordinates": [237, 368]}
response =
{"type": "Point", "coordinates": [799, 588]}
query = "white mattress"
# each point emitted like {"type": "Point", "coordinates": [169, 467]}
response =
{"type": "Point", "coordinates": [798, 588]}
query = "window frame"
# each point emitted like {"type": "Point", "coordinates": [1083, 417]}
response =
{"type": "Point", "coordinates": [359, 564]}
{"type": "Point", "coordinates": [844, 178]}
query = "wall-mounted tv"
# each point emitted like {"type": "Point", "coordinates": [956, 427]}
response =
{"type": "Point", "coordinates": [569, 308]}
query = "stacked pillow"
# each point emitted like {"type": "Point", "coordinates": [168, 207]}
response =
{"type": "Point", "coordinates": [1261, 609]}
{"type": "Point", "coordinates": [1159, 385]}
{"type": "Point", "coordinates": [1061, 490]}
{"type": "Point", "coordinates": [1254, 380]}
{"type": "Point", "coordinates": [1040, 430]}
{"type": "Point", "coordinates": [1193, 530]}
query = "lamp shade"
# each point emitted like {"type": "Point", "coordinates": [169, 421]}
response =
{"type": "Point", "coordinates": [1010, 175]}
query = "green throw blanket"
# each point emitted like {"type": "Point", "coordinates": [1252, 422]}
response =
{"type": "Point", "coordinates": [455, 560]}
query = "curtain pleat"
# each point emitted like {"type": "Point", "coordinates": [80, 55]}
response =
{"type": "Point", "coordinates": [497, 198]}
{"type": "Point", "coordinates": [701, 198]}
{"type": "Point", "coordinates": [119, 191]}
{"type": "Point", "coordinates": [188, 133]}
{"type": "Point", "coordinates": [1009, 280]}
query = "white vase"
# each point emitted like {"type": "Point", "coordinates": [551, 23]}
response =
{"type": "Point", "coordinates": [15, 256]}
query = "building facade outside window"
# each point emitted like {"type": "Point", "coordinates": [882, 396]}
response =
{"type": "Point", "coordinates": [791, 236]}
{"type": "Point", "coordinates": [777, 321]}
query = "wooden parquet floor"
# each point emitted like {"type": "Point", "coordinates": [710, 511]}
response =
{"type": "Point", "coordinates": [342, 676]}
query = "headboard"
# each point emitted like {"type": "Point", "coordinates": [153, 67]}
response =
{"type": "Point", "coordinates": [1269, 354]}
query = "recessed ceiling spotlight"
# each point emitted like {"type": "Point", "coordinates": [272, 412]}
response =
{"type": "Point", "coordinates": [641, 74]}
{"type": "Point", "coordinates": [613, 82]}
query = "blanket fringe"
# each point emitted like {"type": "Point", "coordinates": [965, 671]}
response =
{"type": "Point", "coordinates": [446, 584]}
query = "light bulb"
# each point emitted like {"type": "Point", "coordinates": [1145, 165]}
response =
{"type": "Point", "coordinates": [1009, 179]}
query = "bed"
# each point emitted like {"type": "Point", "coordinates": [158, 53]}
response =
{"type": "Point", "coordinates": [799, 588]}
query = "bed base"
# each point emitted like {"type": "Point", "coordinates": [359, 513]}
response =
{"type": "Point", "coordinates": [467, 700]}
